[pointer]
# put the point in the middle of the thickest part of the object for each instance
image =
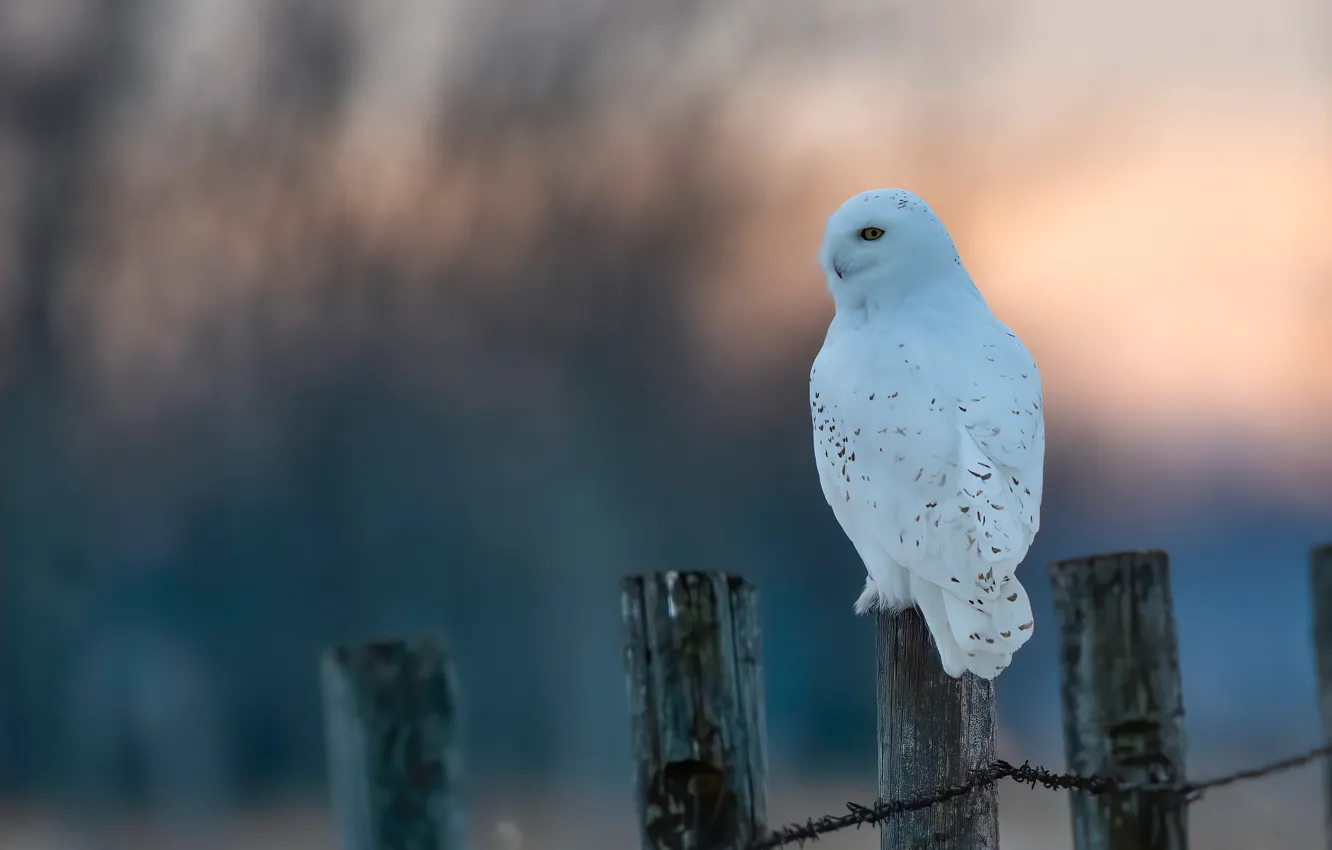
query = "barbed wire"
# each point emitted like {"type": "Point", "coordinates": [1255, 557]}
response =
{"type": "Point", "coordinates": [858, 815]}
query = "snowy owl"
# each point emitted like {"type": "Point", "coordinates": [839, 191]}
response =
{"type": "Point", "coordinates": [928, 431]}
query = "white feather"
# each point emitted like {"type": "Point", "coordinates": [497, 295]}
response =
{"type": "Point", "coordinates": [928, 431]}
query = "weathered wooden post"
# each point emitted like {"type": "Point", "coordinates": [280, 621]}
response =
{"type": "Point", "coordinates": [695, 679]}
{"type": "Point", "coordinates": [390, 713]}
{"type": "Point", "coordinates": [1320, 586]}
{"type": "Point", "coordinates": [1121, 695]}
{"type": "Point", "coordinates": [934, 730]}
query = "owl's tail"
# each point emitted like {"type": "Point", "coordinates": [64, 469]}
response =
{"type": "Point", "coordinates": [957, 651]}
{"type": "Point", "coordinates": [998, 623]}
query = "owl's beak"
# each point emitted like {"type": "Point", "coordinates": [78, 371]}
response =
{"type": "Point", "coordinates": [837, 270]}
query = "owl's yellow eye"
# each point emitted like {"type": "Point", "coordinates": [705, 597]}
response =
{"type": "Point", "coordinates": [869, 234]}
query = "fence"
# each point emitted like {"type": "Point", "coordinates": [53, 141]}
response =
{"type": "Point", "coordinates": [695, 685]}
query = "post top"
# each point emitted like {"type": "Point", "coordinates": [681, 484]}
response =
{"type": "Point", "coordinates": [429, 643]}
{"type": "Point", "coordinates": [1122, 555]}
{"type": "Point", "coordinates": [671, 577]}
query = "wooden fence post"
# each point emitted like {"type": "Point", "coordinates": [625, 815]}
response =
{"type": "Point", "coordinates": [1320, 585]}
{"type": "Point", "coordinates": [1121, 697]}
{"type": "Point", "coordinates": [695, 679]}
{"type": "Point", "coordinates": [390, 710]}
{"type": "Point", "coordinates": [933, 731]}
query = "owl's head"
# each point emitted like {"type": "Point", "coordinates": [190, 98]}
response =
{"type": "Point", "coordinates": [882, 237]}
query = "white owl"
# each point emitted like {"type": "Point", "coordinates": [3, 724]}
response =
{"type": "Point", "coordinates": [928, 431]}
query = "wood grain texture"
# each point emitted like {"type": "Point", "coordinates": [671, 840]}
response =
{"type": "Point", "coordinates": [1121, 697]}
{"type": "Point", "coordinates": [1320, 592]}
{"type": "Point", "coordinates": [933, 731]}
{"type": "Point", "coordinates": [695, 680]}
{"type": "Point", "coordinates": [390, 710]}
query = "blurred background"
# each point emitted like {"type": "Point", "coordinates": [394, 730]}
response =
{"type": "Point", "coordinates": [322, 320]}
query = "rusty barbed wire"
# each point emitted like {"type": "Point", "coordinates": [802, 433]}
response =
{"type": "Point", "coordinates": [858, 815]}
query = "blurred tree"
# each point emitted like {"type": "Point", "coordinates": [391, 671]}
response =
{"type": "Point", "coordinates": [55, 105]}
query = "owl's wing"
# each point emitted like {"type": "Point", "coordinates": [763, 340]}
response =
{"type": "Point", "coordinates": [1002, 446]}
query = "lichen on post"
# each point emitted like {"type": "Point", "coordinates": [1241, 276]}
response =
{"type": "Point", "coordinates": [695, 683]}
